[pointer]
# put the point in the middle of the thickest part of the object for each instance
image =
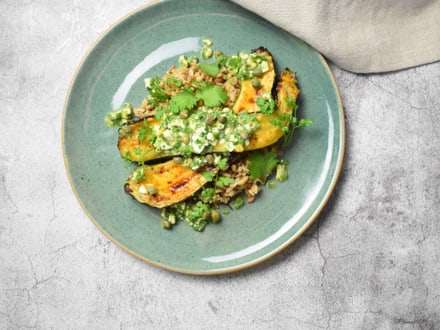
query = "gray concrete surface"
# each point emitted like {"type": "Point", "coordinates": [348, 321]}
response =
{"type": "Point", "coordinates": [370, 261]}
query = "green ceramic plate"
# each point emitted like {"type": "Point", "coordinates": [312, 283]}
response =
{"type": "Point", "coordinates": [145, 44]}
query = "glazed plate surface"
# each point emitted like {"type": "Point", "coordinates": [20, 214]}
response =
{"type": "Point", "coordinates": [144, 44]}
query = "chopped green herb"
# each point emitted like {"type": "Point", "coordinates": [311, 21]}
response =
{"type": "Point", "coordinates": [157, 93]}
{"type": "Point", "coordinates": [223, 181]}
{"type": "Point", "coordinates": [266, 105]}
{"type": "Point", "coordinates": [160, 112]}
{"type": "Point", "coordinates": [138, 151]}
{"type": "Point", "coordinates": [209, 176]}
{"type": "Point", "coordinates": [246, 65]}
{"type": "Point", "coordinates": [145, 131]}
{"type": "Point", "coordinates": [237, 202]}
{"type": "Point", "coordinates": [173, 81]}
{"type": "Point", "coordinates": [197, 218]}
{"type": "Point", "coordinates": [207, 194]}
{"type": "Point", "coordinates": [223, 164]}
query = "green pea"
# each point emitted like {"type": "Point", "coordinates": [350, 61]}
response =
{"type": "Point", "coordinates": [185, 139]}
{"type": "Point", "coordinates": [209, 158]}
{"type": "Point", "coordinates": [184, 114]}
{"type": "Point", "coordinates": [178, 160]}
{"type": "Point", "coordinates": [209, 120]}
{"type": "Point", "coordinates": [206, 215]}
{"type": "Point", "coordinates": [256, 83]}
{"type": "Point", "coordinates": [223, 119]}
{"type": "Point", "coordinates": [215, 216]}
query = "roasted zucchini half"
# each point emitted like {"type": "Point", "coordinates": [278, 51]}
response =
{"type": "Point", "coordinates": [167, 183]}
{"type": "Point", "coordinates": [163, 184]}
{"type": "Point", "coordinates": [134, 141]}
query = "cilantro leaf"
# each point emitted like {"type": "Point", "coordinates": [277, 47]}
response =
{"type": "Point", "coordinates": [212, 95]}
{"type": "Point", "coordinates": [261, 164]}
{"type": "Point", "coordinates": [211, 69]}
{"type": "Point", "coordinates": [183, 100]}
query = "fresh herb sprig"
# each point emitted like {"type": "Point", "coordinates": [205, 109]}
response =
{"type": "Point", "coordinates": [289, 122]}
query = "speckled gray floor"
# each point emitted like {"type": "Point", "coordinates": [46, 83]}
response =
{"type": "Point", "coordinates": [370, 261]}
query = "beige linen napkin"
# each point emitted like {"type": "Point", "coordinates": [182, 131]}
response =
{"type": "Point", "coordinates": [361, 35]}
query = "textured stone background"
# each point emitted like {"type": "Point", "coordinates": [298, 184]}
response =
{"type": "Point", "coordinates": [370, 261]}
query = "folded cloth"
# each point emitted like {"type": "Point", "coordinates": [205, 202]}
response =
{"type": "Point", "coordinates": [361, 35]}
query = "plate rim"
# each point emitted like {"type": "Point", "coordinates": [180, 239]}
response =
{"type": "Point", "coordinates": [229, 269]}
